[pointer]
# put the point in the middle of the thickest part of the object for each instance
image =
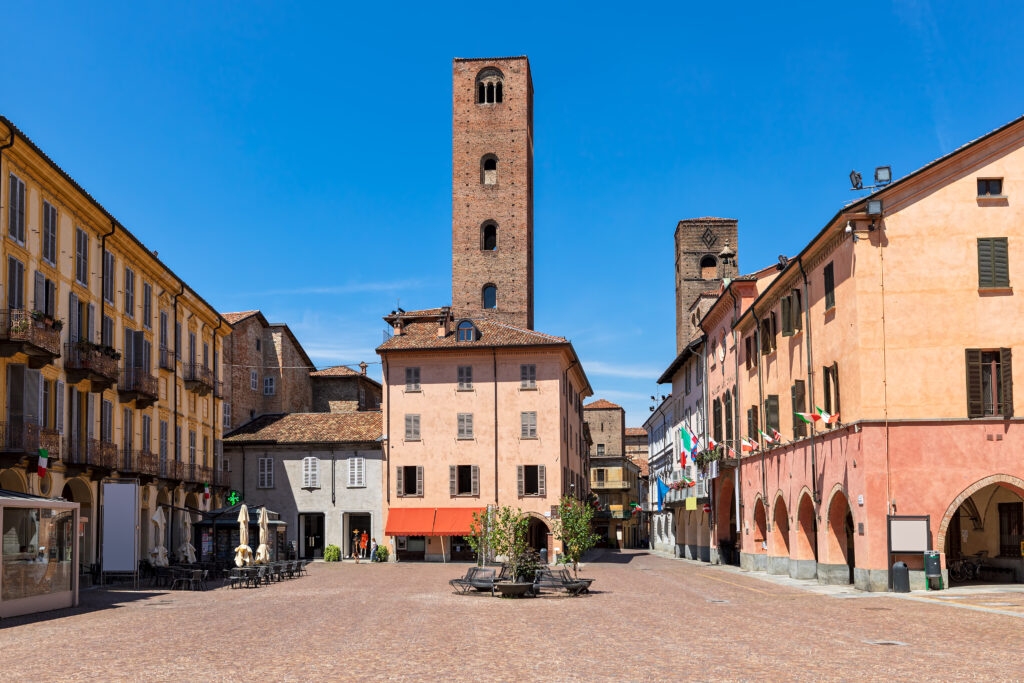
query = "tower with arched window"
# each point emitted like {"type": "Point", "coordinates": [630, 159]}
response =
{"type": "Point", "coordinates": [492, 189]}
{"type": "Point", "coordinates": [705, 255]}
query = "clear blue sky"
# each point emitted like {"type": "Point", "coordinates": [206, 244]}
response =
{"type": "Point", "coordinates": [298, 160]}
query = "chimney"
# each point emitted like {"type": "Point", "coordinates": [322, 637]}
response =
{"type": "Point", "coordinates": [362, 368]}
{"type": "Point", "coordinates": [398, 326]}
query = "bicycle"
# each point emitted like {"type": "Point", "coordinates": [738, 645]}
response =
{"type": "Point", "coordinates": [967, 568]}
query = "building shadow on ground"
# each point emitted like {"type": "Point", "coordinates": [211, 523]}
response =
{"type": "Point", "coordinates": [612, 556]}
{"type": "Point", "coordinates": [88, 601]}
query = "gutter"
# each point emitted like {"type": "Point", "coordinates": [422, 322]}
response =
{"type": "Point", "coordinates": [738, 492]}
{"type": "Point", "coordinates": [174, 373]}
{"type": "Point", "coordinates": [387, 421]}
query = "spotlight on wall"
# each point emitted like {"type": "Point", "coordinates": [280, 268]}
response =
{"type": "Point", "coordinates": [874, 207]}
{"type": "Point", "coordinates": [883, 175]}
{"type": "Point", "coordinates": [855, 181]}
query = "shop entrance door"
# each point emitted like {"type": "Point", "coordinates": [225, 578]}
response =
{"type": "Point", "coordinates": [357, 522]}
{"type": "Point", "coordinates": [312, 541]}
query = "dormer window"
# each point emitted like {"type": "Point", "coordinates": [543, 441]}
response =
{"type": "Point", "coordinates": [489, 86]}
{"type": "Point", "coordinates": [466, 331]}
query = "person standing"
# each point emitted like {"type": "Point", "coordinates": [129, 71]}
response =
{"type": "Point", "coordinates": [373, 550]}
{"type": "Point", "coordinates": [364, 541]}
{"type": "Point", "coordinates": [355, 545]}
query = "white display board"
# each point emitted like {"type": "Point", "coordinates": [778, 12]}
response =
{"type": "Point", "coordinates": [120, 540]}
{"type": "Point", "coordinates": [908, 535]}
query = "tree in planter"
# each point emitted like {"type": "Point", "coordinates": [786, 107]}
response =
{"type": "Point", "coordinates": [478, 537]}
{"type": "Point", "coordinates": [507, 529]}
{"type": "Point", "coordinates": [573, 529]}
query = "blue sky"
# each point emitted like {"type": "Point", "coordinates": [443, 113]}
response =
{"type": "Point", "coordinates": [298, 159]}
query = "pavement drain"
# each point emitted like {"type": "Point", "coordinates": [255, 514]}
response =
{"type": "Point", "coordinates": [718, 601]}
{"type": "Point", "coordinates": [883, 642]}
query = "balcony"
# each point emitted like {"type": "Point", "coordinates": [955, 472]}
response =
{"type": "Point", "coordinates": [86, 360]}
{"type": "Point", "coordinates": [198, 378]}
{"type": "Point", "coordinates": [33, 334]}
{"type": "Point", "coordinates": [140, 462]}
{"type": "Point", "coordinates": [167, 359]}
{"type": "Point", "coordinates": [22, 438]}
{"type": "Point", "coordinates": [92, 452]}
{"type": "Point", "coordinates": [613, 514]}
{"type": "Point", "coordinates": [218, 389]}
{"type": "Point", "coordinates": [138, 385]}
{"type": "Point", "coordinates": [610, 485]}
{"type": "Point", "coordinates": [108, 454]}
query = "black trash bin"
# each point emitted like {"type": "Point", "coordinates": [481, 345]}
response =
{"type": "Point", "coordinates": [900, 578]}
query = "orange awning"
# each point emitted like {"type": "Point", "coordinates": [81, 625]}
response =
{"type": "Point", "coordinates": [410, 522]}
{"type": "Point", "coordinates": [454, 521]}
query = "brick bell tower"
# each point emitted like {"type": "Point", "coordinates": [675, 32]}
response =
{"type": "Point", "coordinates": [492, 189]}
{"type": "Point", "coordinates": [705, 255]}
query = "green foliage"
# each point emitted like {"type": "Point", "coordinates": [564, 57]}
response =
{"type": "Point", "coordinates": [382, 553]}
{"type": "Point", "coordinates": [332, 553]}
{"type": "Point", "coordinates": [477, 540]}
{"type": "Point", "coordinates": [573, 529]}
{"type": "Point", "coordinates": [506, 535]}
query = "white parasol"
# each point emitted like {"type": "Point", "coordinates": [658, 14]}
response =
{"type": "Point", "coordinates": [158, 554]}
{"type": "Point", "coordinates": [263, 552]}
{"type": "Point", "coordinates": [186, 549]}
{"type": "Point", "coordinates": [243, 553]}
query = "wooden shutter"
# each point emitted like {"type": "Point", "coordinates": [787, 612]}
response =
{"type": "Point", "coordinates": [1000, 262]}
{"type": "Point", "coordinates": [787, 316]}
{"type": "Point", "coordinates": [771, 412]}
{"type": "Point", "coordinates": [753, 412]}
{"type": "Point", "coordinates": [90, 322]}
{"type": "Point", "coordinates": [519, 480]}
{"type": "Point", "coordinates": [830, 286]}
{"type": "Point", "coordinates": [12, 206]}
{"type": "Point", "coordinates": [307, 477]}
{"type": "Point", "coordinates": [826, 388]}
{"type": "Point", "coordinates": [986, 274]}
{"type": "Point", "coordinates": [835, 388]}
{"type": "Point", "coordinates": [400, 481]}
{"type": "Point", "coordinates": [39, 292]}
{"type": "Point", "coordinates": [1006, 381]}
{"type": "Point", "coordinates": [453, 488]}
{"type": "Point", "coordinates": [542, 481]}
{"type": "Point", "coordinates": [797, 395]}
{"type": "Point", "coordinates": [360, 471]}
{"type": "Point", "coordinates": [419, 480]}
{"type": "Point", "coordinates": [750, 423]}
{"type": "Point", "coordinates": [796, 311]}
{"type": "Point", "coordinates": [975, 403]}
{"type": "Point", "coordinates": [59, 407]}
{"type": "Point", "coordinates": [476, 480]}
{"type": "Point", "coordinates": [90, 416]}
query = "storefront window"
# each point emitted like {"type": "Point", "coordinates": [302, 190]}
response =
{"type": "Point", "coordinates": [37, 552]}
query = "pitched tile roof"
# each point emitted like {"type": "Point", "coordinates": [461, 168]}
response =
{"type": "Point", "coordinates": [636, 431]}
{"type": "Point", "coordinates": [336, 371]}
{"type": "Point", "coordinates": [238, 317]}
{"type": "Point", "coordinates": [298, 428]}
{"type": "Point", "coordinates": [601, 404]}
{"type": "Point", "coordinates": [423, 335]}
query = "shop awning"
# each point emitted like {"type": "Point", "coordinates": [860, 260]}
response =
{"type": "Point", "coordinates": [410, 522]}
{"type": "Point", "coordinates": [454, 521]}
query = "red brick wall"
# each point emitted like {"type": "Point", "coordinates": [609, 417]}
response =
{"type": "Point", "coordinates": [505, 130]}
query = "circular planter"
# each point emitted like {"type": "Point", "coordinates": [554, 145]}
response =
{"type": "Point", "coordinates": [513, 590]}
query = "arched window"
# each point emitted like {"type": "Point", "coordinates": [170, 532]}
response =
{"type": "Point", "coordinates": [489, 237]}
{"type": "Point", "coordinates": [709, 267]}
{"type": "Point", "coordinates": [489, 169]}
{"type": "Point", "coordinates": [466, 331]}
{"type": "Point", "coordinates": [490, 296]}
{"type": "Point", "coordinates": [489, 86]}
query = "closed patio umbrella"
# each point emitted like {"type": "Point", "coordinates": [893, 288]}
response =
{"type": "Point", "coordinates": [243, 553]}
{"type": "Point", "coordinates": [263, 551]}
{"type": "Point", "coordinates": [186, 549]}
{"type": "Point", "coordinates": [158, 554]}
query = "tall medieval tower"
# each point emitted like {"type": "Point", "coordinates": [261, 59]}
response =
{"type": "Point", "coordinates": [492, 189]}
{"type": "Point", "coordinates": [705, 255]}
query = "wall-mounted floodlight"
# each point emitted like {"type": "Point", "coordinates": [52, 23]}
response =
{"type": "Point", "coordinates": [855, 180]}
{"type": "Point", "coordinates": [883, 175]}
{"type": "Point", "coordinates": [874, 207]}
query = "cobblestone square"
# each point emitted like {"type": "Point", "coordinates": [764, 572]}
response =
{"type": "Point", "coordinates": [401, 621]}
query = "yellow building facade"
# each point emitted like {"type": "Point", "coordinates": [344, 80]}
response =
{"type": "Point", "coordinates": [109, 360]}
{"type": "Point", "coordinates": [615, 480]}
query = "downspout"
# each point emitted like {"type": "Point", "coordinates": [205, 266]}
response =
{"type": "Point", "coordinates": [736, 410]}
{"type": "Point", "coordinates": [387, 437]}
{"type": "Point", "coordinates": [494, 357]}
{"type": "Point", "coordinates": [890, 501]}
{"type": "Point", "coordinates": [174, 373]}
{"type": "Point", "coordinates": [810, 383]}
{"type": "Point", "coordinates": [103, 281]}
{"type": "Point", "coordinates": [764, 420]}
{"type": "Point", "coordinates": [220, 321]}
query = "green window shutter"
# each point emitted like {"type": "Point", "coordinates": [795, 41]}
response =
{"type": "Point", "coordinates": [826, 391]}
{"type": "Point", "coordinates": [1006, 382]}
{"type": "Point", "coordinates": [519, 479]}
{"type": "Point", "coordinates": [975, 405]}
{"type": "Point", "coordinates": [796, 309]}
{"type": "Point", "coordinates": [835, 388]}
{"type": "Point", "coordinates": [1000, 262]}
{"type": "Point", "coordinates": [400, 481]}
{"type": "Point", "coordinates": [830, 286]}
{"type": "Point", "coordinates": [985, 274]}
{"type": "Point", "coordinates": [787, 316]}
{"type": "Point", "coordinates": [771, 413]}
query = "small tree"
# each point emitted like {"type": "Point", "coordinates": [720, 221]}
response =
{"type": "Point", "coordinates": [572, 528]}
{"type": "Point", "coordinates": [477, 539]}
{"type": "Point", "coordinates": [507, 531]}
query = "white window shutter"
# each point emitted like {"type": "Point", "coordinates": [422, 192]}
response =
{"type": "Point", "coordinates": [361, 471]}
{"type": "Point", "coordinates": [316, 472]}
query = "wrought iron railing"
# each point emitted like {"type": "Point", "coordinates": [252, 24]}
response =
{"type": "Point", "coordinates": [88, 357]}
{"type": "Point", "coordinates": [198, 373]}
{"type": "Point", "coordinates": [167, 359]}
{"type": "Point", "coordinates": [138, 381]}
{"type": "Point", "coordinates": [19, 325]}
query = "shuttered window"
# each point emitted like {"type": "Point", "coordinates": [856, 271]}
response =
{"type": "Point", "coordinates": [356, 472]}
{"type": "Point", "coordinates": [311, 472]}
{"type": "Point", "coordinates": [465, 425]}
{"type": "Point", "coordinates": [786, 308]}
{"type": "Point", "coordinates": [716, 419]}
{"type": "Point", "coordinates": [253, 380]}
{"type": "Point", "coordinates": [106, 421]}
{"type": "Point", "coordinates": [798, 398]}
{"type": "Point", "coordinates": [465, 377]}
{"type": "Point", "coordinates": [147, 433]}
{"type": "Point", "coordinates": [767, 340]}
{"type": "Point", "coordinates": [109, 284]}
{"type": "Point", "coordinates": [15, 283]}
{"type": "Point", "coordinates": [226, 410]}
{"type": "Point", "coordinates": [830, 387]}
{"type": "Point", "coordinates": [771, 413]}
{"type": "Point", "coordinates": [989, 383]}
{"type": "Point", "coordinates": [58, 407]}
{"type": "Point", "coordinates": [993, 262]}
{"type": "Point", "coordinates": [163, 442]}
{"type": "Point", "coordinates": [127, 432]}
{"type": "Point", "coordinates": [266, 473]}
{"type": "Point", "coordinates": [830, 286]}
{"type": "Point", "coordinates": [129, 292]}
{"type": "Point", "coordinates": [412, 427]}
{"type": "Point", "coordinates": [752, 423]}
{"type": "Point", "coordinates": [528, 425]}
{"type": "Point", "coordinates": [49, 233]}
{"type": "Point", "coordinates": [728, 416]}
{"type": "Point", "coordinates": [463, 480]}
{"type": "Point", "coordinates": [147, 305]}
{"type": "Point", "coordinates": [412, 379]}
{"type": "Point", "coordinates": [268, 386]}
{"type": "Point", "coordinates": [81, 257]}
{"type": "Point", "coordinates": [409, 480]}
{"type": "Point", "coordinates": [16, 210]}
{"type": "Point", "coordinates": [191, 447]}
{"type": "Point", "coordinates": [528, 376]}
{"type": "Point", "coordinates": [531, 480]}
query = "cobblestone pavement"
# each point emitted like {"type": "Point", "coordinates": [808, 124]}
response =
{"type": "Point", "coordinates": [648, 618]}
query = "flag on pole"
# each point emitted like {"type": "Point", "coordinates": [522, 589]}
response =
{"type": "Point", "coordinates": [206, 492]}
{"type": "Point", "coordinates": [808, 418]}
{"type": "Point", "coordinates": [827, 418]}
{"type": "Point", "coordinates": [662, 492]}
{"type": "Point", "coordinates": [732, 453]}
{"type": "Point", "coordinates": [44, 456]}
{"type": "Point", "coordinates": [747, 446]}
{"type": "Point", "coordinates": [776, 435]}
{"type": "Point", "coordinates": [767, 438]}
{"type": "Point", "coordinates": [689, 440]}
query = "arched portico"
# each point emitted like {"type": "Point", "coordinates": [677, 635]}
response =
{"type": "Point", "coordinates": [80, 491]}
{"type": "Point", "coordinates": [840, 547]}
{"type": "Point", "coordinates": [803, 557]}
{"type": "Point", "coordinates": [778, 542]}
{"type": "Point", "coordinates": [986, 520]}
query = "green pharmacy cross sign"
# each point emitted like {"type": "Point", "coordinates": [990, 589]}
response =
{"type": "Point", "coordinates": [234, 498]}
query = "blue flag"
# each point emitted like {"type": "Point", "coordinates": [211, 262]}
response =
{"type": "Point", "coordinates": [662, 490]}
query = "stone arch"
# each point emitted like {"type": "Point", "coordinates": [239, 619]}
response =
{"type": "Point", "coordinates": [759, 531]}
{"type": "Point", "coordinates": [806, 541]}
{"type": "Point", "coordinates": [840, 541]}
{"type": "Point", "coordinates": [489, 296]}
{"type": "Point", "coordinates": [13, 479]}
{"type": "Point", "coordinates": [780, 527]}
{"type": "Point", "coordinates": [708, 267]}
{"type": "Point", "coordinates": [79, 491]}
{"type": "Point", "coordinates": [1014, 483]}
{"type": "Point", "coordinates": [538, 533]}
{"type": "Point", "coordinates": [489, 169]}
{"type": "Point", "coordinates": [489, 86]}
{"type": "Point", "coordinates": [489, 236]}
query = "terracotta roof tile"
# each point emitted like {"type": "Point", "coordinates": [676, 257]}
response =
{"type": "Point", "coordinates": [336, 371]}
{"type": "Point", "coordinates": [238, 317]}
{"type": "Point", "coordinates": [423, 335]}
{"type": "Point", "coordinates": [601, 404]}
{"type": "Point", "coordinates": [310, 428]}
{"type": "Point", "coordinates": [636, 431]}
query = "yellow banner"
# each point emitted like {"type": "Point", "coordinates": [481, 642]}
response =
{"type": "Point", "coordinates": [691, 503]}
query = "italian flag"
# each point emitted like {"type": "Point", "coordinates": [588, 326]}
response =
{"type": "Point", "coordinates": [689, 440]}
{"type": "Point", "coordinates": [44, 456]}
{"type": "Point", "coordinates": [767, 438]}
{"type": "Point", "coordinates": [712, 443]}
{"type": "Point", "coordinates": [808, 418]}
{"type": "Point", "coordinates": [206, 492]}
{"type": "Point", "coordinates": [687, 481]}
{"type": "Point", "coordinates": [747, 446]}
{"type": "Point", "coordinates": [776, 435]}
{"type": "Point", "coordinates": [732, 453]}
{"type": "Point", "coordinates": [826, 417]}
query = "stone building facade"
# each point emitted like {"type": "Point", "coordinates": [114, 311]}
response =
{"type": "Point", "coordinates": [492, 189]}
{"type": "Point", "coordinates": [341, 389]}
{"type": "Point", "coordinates": [607, 422]}
{"type": "Point", "coordinates": [705, 253]}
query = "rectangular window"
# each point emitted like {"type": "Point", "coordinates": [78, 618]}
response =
{"type": "Point", "coordinates": [465, 425]}
{"type": "Point", "coordinates": [1011, 529]}
{"type": "Point", "coordinates": [412, 427]}
{"type": "Point", "coordinates": [412, 379]}
{"type": "Point", "coordinates": [463, 480]}
{"type": "Point", "coordinates": [15, 284]}
{"type": "Point", "coordinates": [356, 472]}
{"type": "Point", "coordinates": [266, 473]}
{"type": "Point", "coordinates": [830, 286]}
{"type": "Point", "coordinates": [716, 419]}
{"type": "Point", "coordinates": [752, 423]}
{"type": "Point", "coordinates": [728, 416]}
{"type": "Point", "coordinates": [226, 409]}
{"type": "Point", "coordinates": [127, 431]}
{"type": "Point", "coordinates": [50, 233]}
{"type": "Point", "coordinates": [798, 395]}
{"type": "Point", "coordinates": [109, 284]}
{"type": "Point", "coordinates": [989, 383]}
{"type": "Point", "coordinates": [310, 472]}
{"type": "Point", "coordinates": [253, 380]}
{"type": "Point", "coordinates": [44, 296]}
{"type": "Point", "coordinates": [531, 480]}
{"type": "Point", "coordinates": [106, 421]}
{"type": "Point", "coordinates": [830, 386]}
{"type": "Point", "coordinates": [766, 337]}
{"type": "Point", "coordinates": [599, 476]}
{"type": "Point", "coordinates": [993, 262]}
{"type": "Point", "coordinates": [192, 447]}
{"type": "Point", "coordinates": [177, 342]}
{"type": "Point", "coordinates": [409, 480]}
{"type": "Point", "coordinates": [990, 187]}
{"type": "Point", "coordinates": [129, 292]}
{"type": "Point", "coordinates": [528, 425]}
{"type": "Point", "coordinates": [147, 305]}
{"type": "Point", "coordinates": [107, 331]}
{"type": "Point", "coordinates": [177, 444]}
{"type": "Point", "coordinates": [163, 331]}
{"type": "Point", "coordinates": [163, 442]}
{"type": "Point", "coordinates": [268, 386]}
{"type": "Point", "coordinates": [686, 380]}
{"type": "Point", "coordinates": [147, 433]}
{"type": "Point", "coordinates": [771, 413]}
{"type": "Point", "coordinates": [16, 210]}
{"type": "Point", "coordinates": [528, 376]}
{"type": "Point", "coordinates": [600, 449]}
{"type": "Point", "coordinates": [81, 257]}
{"type": "Point", "coordinates": [465, 377]}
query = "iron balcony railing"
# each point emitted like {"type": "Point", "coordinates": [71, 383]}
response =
{"type": "Point", "coordinates": [198, 377]}
{"type": "Point", "coordinates": [23, 437]}
{"type": "Point", "coordinates": [36, 335]}
{"type": "Point", "coordinates": [167, 359]}
{"type": "Point", "coordinates": [138, 383]}
{"type": "Point", "coordinates": [140, 461]}
{"type": "Point", "coordinates": [97, 363]}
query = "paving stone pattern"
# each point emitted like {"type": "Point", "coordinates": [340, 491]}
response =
{"type": "Point", "coordinates": [649, 618]}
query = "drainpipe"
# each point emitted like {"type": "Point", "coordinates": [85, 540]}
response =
{"type": "Point", "coordinates": [764, 416]}
{"type": "Point", "coordinates": [220, 321]}
{"type": "Point", "coordinates": [174, 372]}
{"type": "Point", "coordinates": [103, 281]}
{"type": "Point", "coordinates": [494, 357]}
{"type": "Point", "coordinates": [736, 410]}
{"type": "Point", "coordinates": [810, 383]}
{"type": "Point", "coordinates": [387, 420]}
